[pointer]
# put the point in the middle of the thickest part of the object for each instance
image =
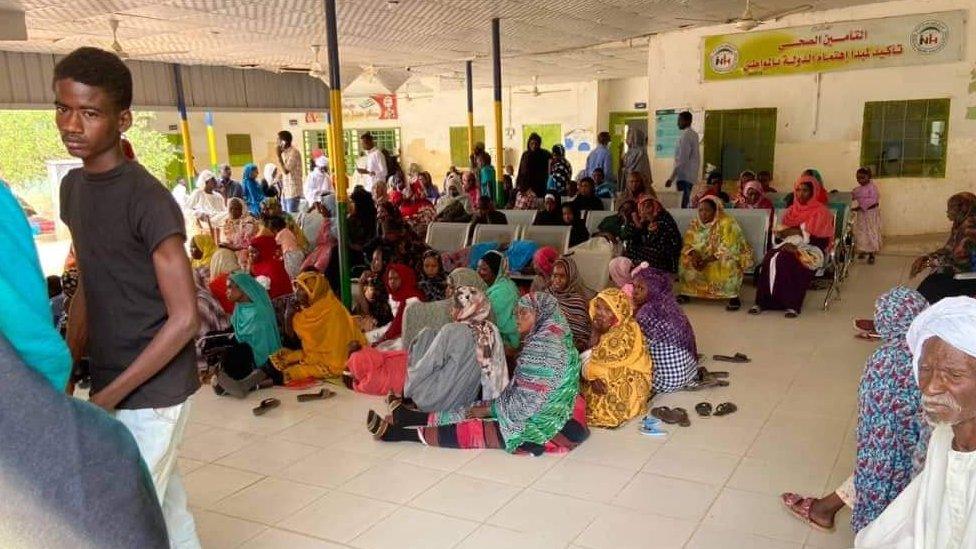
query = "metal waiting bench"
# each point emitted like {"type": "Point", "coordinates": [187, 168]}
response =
{"type": "Point", "coordinates": [448, 237]}
{"type": "Point", "coordinates": [495, 233]}
{"type": "Point", "coordinates": [545, 235]}
{"type": "Point", "coordinates": [520, 217]}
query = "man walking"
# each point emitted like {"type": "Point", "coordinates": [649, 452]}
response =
{"type": "Point", "coordinates": [687, 159]}
{"type": "Point", "coordinates": [136, 292]}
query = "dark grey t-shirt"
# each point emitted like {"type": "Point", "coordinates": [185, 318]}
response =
{"type": "Point", "coordinates": [117, 219]}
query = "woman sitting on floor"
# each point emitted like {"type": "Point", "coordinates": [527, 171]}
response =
{"type": "Point", "coordinates": [955, 257]}
{"type": "Point", "coordinates": [617, 375]}
{"type": "Point", "coordinates": [435, 314]}
{"type": "Point", "coordinates": [622, 273]}
{"type": "Point", "coordinates": [202, 248]}
{"type": "Point", "coordinates": [265, 258]}
{"type": "Point", "coordinates": [223, 262]}
{"type": "Point", "coordinates": [788, 269]}
{"type": "Point", "coordinates": [652, 236]}
{"type": "Point", "coordinates": [668, 334]}
{"type": "Point", "coordinates": [502, 293]}
{"type": "Point", "coordinates": [714, 257]}
{"type": "Point", "coordinates": [543, 260]}
{"type": "Point", "coordinates": [566, 285]}
{"type": "Point", "coordinates": [255, 336]}
{"type": "Point", "coordinates": [401, 285]}
{"type": "Point", "coordinates": [291, 254]}
{"type": "Point", "coordinates": [450, 367]}
{"type": "Point", "coordinates": [539, 411]}
{"type": "Point", "coordinates": [212, 318]}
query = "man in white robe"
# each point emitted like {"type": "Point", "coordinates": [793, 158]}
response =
{"type": "Point", "coordinates": [937, 510]}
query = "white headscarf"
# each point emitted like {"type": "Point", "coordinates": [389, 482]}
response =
{"type": "Point", "coordinates": [205, 175]}
{"type": "Point", "coordinates": [269, 170]}
{"type": "Point", "coordinates": [953, 320]}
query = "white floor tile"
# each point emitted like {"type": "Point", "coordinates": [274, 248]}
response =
{"type": "Point", "coordinates": [318, 430]}
{"type": "Point", "coordinates": [624, 529]}
{"type": "Point", "coordinates": [266, 456]}
{"type": "Point", "coordinates": [667, 497]}
{"type": "Point", "coordinates": [443, 459]}
{"type": "Point", "coordinates": [488, 536]}
{"type": "Point", "coordinates": [272, 538]}
{"type": "Point", "coordinates": [218, 531]}
{"type": "Point", "coordinates": [584, 480]}
{"type": "Point", "coordinates": [750, 513]}
{"type": "Point", "coordinates": [212, 483]}
{"type": "Point", "coordinates": [330, 467]}
{"type": "Point", "coordinates": [465, 497]}
{"type": "Point", "coordinates": [214, 444]}
{"type": "Point", "coordinates": [622, 448]}
{"type": "Point", "coordinates": [392, 481]}
{"type": "Point", "coordinates": [711, 537]}
{"type": "Point", "coordinates": [560, 518]}
{"type": "Point", "coordinates": [338, 517]}
{"type": "Point", "coordinates": [411, 528]}
{"type": "Point", "coordinates": [519, 470]}
{"type": "Point", "coordinates": [269, 501]}
{"type": "Point", "coordinates": [692, 464]}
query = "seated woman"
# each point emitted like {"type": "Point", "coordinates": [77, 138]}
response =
{"type": "Point", "coordinates": [435, 314]}
{"type": "Point", "coordinates": [291, 254]}
{"type": "Point", "coordinates": [502, 293]}
{"type": "Point", "coordinates": [551, 213]}
{"type": "Point", "coordinates": [266, 261]}
{"type": "Point", "coordinates": [573, 297]}
{"type": "Point", "coordinates": [416, 210]}
{"type": "Point", "coordinates": [955, 257]}
{"type": "Point", "coordinates": [617, 377]}
{"type": "Point", "coordinates": [668, 334]}
{"type": "Point", "coordinates": [449, 368]}
{"type": "Point", "coordinates": [636, 188]}
{"type": "Point", "coordinates": [587, 200]}
{"type": "Point", "coordinates": [752, 197]}
{"type": "Point", "coordinates": [788, 269]}
{"type": "Point", "coordinates": [223, 262]}
{"type": "Point", "coordinates": [255, 337]}
{"type": "Point", "coordinates": [433, 281]}
{"type": "Point", "coordinates": [539, 411]}
{"type": "Point", "coordinates": [212, 319]}
{"type": "Point", "coordinates": [652, 236]}
{"type": "Point", "coordinates": [712, 187]}
{"type": "Point", "coordinates": [401, 285]}
{"type": "Point", "coordinates": [612, 226]}
{"type": "Point", "coordinates": [543, 262]}
{"type": "Point", "coordinates": [714, 257]}
{"type": "Point", "coordinates": [577, 228]}
{"type": "Point", "coordinates": [525, 198]}
{"type": "Point", "coordinates": [239, 227]}
{"type": "Point", "coordinates": [271, 207]}
{"type": "Point", "coordinates": [622, 272]}
{"type": "Point", "coordinates": [202, 248]}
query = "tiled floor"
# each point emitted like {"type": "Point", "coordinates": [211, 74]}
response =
{"type": "Point", "coordinates": [309, 475]}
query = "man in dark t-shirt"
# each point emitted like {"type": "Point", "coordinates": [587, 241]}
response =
{"type": "Point", "coordinates": [136, 298]}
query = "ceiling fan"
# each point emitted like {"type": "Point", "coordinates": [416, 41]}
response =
{"type": "Point", "coordinates": [748, 20]}
{"type": "Point", "coordinates": [536, 92]}
{"type": "Point", "coordinates": [116, 46]}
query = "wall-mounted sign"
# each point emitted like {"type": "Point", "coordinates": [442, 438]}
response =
{"type": "Point", "coordinates": [867, 44]}
{"type": "Point", "coordinates": [292, 121]}
{"type": "Point", "coordinates": [640, 106]}
{"type": "Point", "coordinates": [666, 132]}
{"type": "Point", "coordinates": [373, 107]}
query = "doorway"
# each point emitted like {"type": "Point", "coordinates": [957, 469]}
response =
{"type": "Point", "coordinates": [621, 123]}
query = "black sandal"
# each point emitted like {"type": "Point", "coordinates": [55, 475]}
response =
{"type": "Point", "coordinates": [704, 409]}
{"type": "Point", "coordinates": [266, 404]}
{"type": "Point", "coordinates": [738, 358]}
{"type": "Point", "coordinates": [734, 305]}
{"type": "Point", "coordinates": [725, 409]}
{"type": "Point", "coordinates": [321, 395]}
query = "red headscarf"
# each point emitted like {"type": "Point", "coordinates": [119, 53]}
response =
{"type": "Point", "coordinates": [408, 289]}
{"type": "Point", "coordinates": [270, 264]}
{"type": "Point", "coordinates": [816, 218]}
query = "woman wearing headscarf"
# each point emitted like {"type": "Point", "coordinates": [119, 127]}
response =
{"type": "Point", "coordinates": [433, 281]}
{"type": "Point", "coordinates": [266, 261]}
{"type": "Point", "coordinates": [612, 226]}
{"type": "Point", "coordinates": [752, 197]}
{"type": "Point", "coordinates": [551, 213]}
{"type": "Point", "coordinates": [635, 160]}
{"type": "Point", "coordinates": [820, 193]}
{"type": "Point", "coordinates": [572, 218]}
{"type": "Point", "coordinates": [622, 273]}
{"type": "Point", "coordinates": [450, 367]}
{"type": "Point", "coordinates": [271, 181]}
{"type": "Point", "coordinates": [401, 284]}
{"type": "Point", "coordinates": [471, 187]}
{"type": "Point", "coordinates": [434, 314]}
{"type": "Point", "coordinates": [255, 336]}
{"type": "Point", "coordinates": [617, 377]}
{"type": "Point", "coordinates": [714, 257]}
{"type": "Point", "coordinates": [502, 293]}
{"type": "Point", "coordinates": [525, 198]}
{"type": "Point", "coordinates": [543, 261]}
{"type": "Point", "coordinates": [533, 167]}
{"type": "Point", "coordinates": [223, 263]}
{"type": "Point", "coordinates": [271, 207]}
{"type": "Point", "coordinates": [636, 189]}
{"type": "Point", "coordinates": [239, 227]}
{"type": "Point", "coordinates": [416, 210]}
{"type": "Point", "coordinates": [713, 187]}
{"type": "Point", "coordinates": [892, 434]}
{"type": "Point", "coordinates": [539, 411]}
{"type": "Point", "coordinates": [668, 334]}
{"type": "Point", "coordinates": [253, 194]}
{"type": "Point", "coordinates": [560, 170]}
{"type": "Point", "coordinates": [788, 268]}
{"type": "Point", "coordinates": [320, 257]}
{"type": "Point", "coordinates": [955, 257]}
{"type": "Point", "coordinates": [652, 236]}
{"type": "Point", "coordinates": [202, 248]}
{"type": "Point", "coordinates": [566, 285]}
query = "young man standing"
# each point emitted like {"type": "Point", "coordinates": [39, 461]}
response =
{"type": "Point", "coordinates": [376, 168]}
{"type": "Point", "coordinates": [290, 161]}
{"type": "Point", "coordinates": [687, 159]}
{"type": "Point", "coordinates": [136, 293]}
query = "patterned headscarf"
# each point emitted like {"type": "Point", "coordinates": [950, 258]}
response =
{"type": "Point", "coordinates": [472, 308]}
{"type": "Point", "coordinates": [622, 345]}
{"type": "Point", "coordinates": [661, 318]}
{"type": "Point", "coordinates": [433, 287]}
{"type": "Point", "coordinates": [463, 276]}
{"type": "Point", "coordinates": [573, 300]}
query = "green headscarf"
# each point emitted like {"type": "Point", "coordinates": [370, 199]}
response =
{"type": "Point", "coordinates": [254, 322]}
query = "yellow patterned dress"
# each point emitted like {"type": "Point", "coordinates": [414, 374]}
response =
{"type": "Point", "coordinates": [723, 240]}
{"type": "Point", "coordinates": [621, 362]}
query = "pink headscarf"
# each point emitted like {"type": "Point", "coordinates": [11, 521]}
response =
{"type": "Point", "coordinates": [620, 268]}
{"type": "Point", "coordinates": [544, 260]}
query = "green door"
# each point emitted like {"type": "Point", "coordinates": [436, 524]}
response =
{"type": "Point", "coordinates": [739, 140]}
{"type": "Point", "coordinates": [459, 144]}
{"type": "Point", "coordinates": [619, 122]}
{"type": "Point", "coordinates": [551, 134]}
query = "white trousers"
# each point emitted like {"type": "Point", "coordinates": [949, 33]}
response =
{"type": "Point", "coordinates": [158, 432]}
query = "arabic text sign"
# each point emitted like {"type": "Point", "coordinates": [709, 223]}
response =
{"type": "Point", "coordinates": [866, 44]}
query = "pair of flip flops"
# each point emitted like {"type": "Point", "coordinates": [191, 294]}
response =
{"type": "Point", "coordinates": [651, 427]}
{"type": "Point", "coordinates": [269, 404]}
{"type": "Point", "coordinates": [704, 409]}
{"type": "Point", "coordinates": [738, 358]}
{"type": "Point", "coordinates": [671, 416]}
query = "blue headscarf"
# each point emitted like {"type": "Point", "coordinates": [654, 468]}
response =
{"type": "Point", "coordinates": [26, 318]}
{"type": "Point", "coordinates": [253, 195]}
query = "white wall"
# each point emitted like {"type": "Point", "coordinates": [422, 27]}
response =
{"type": "Point", "coordinates": [909, 205]}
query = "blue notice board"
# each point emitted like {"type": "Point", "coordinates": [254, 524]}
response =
{"type": "Point", "coordinates": [666, 133]}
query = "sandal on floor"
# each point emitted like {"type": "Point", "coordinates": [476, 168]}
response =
{"type": "Point", "coordinates": [864, 325]}
{"type": "Point", "coordinates": [734, 305]}
{"type": "Point", "coordinates": [725, 409]}
{"type": "Point", "coordinates": [867, 336]}
{"type": "Point", "coordinates": [704, 372]}
{"type": "Point", "coordinates": [671, 416]}
{"type": "Point", "coordinates": [790, 313]}
{"type": "Point", "coordinates": [649, 422]}
{"type": "Point", "coordinates": [266, 404]}
{"type": "Point", "coordinates": [321, 395]}
{"type": "Point", "coordinates": [755, 310]}
{"type": "Point", "coordinates": [737, 358]}
{"type": "Point", "coordinates": [652, 431]}
{"type": "Point", "coordinates": [799, 506]}
{"type": "Point", "coordinates": [376, 425]}
{"type": "Point", "coordinates": [704, 409]}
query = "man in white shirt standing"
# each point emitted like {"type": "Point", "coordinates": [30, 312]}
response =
{"type": "Point", "coordinates": [687, 159]}
{"type": "Point", "coordinates": [937, 510]}
{"type": "Point", "coordinates": [375, 169]}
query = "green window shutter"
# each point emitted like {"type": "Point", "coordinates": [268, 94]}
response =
{"type": "Point", "coordinates": [239, 150]}
{"type": "Point", "coordinates": [459, 144]}
{"type": "Point", "coordinates": [905, 138]}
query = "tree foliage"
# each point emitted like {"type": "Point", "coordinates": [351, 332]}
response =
{"type": "Point", "coordinates": [28, 139]}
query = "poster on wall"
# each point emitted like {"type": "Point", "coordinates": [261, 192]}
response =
{"type": "Point", "coordinates": [866, 44]}
{"type": "Point", "coordinates": [373, 107]}
{"type": "Point", "coordinates": [579, 140]}
{"type": "Point", "coordinates": [666, 132]}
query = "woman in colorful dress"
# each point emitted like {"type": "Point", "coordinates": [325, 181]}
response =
{"type": "Point", "coordinates": [892, 434]}
{"type": "Point", "coordinates": [539, 411]}
{"type": "Point", "coordinates": [255, 335]}
{"type": "Point", "coordinates": [652, 235]}
{"type": "Point", "coordinates": [560, 170]}
{"type": "Point", "coordinates": [668, 334]}
{"type": "Point", "coordinates": [955, 257]}
{"type": "Point", "coordinates": [867, 222]}
{"type": "Point", "coordinates": [401, 285]}
{"type": "Point", "coordinates": [617, 377]}
{"type": "Point", "coordinates": [574, 297]}
{"type": "Point", "coordinates": [715, 256]}
{"type": "Point", "coordinates": [543, 261]}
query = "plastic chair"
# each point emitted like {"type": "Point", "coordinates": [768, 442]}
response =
{"type": "Point", "coordinates": [593, 220]}
{"type": "Point", "coordinates": [683, 217]}
{"type": "Point", "coordinates": [495, 233]}
{"type": "Point", "coordinates": [755, 227]}
{"type": "Point", "coordinates": [555, 236]}
{"type": "Point", "coordinates": [520, 217]}
{"type": "Point", "coordinates": [447, 237]}
{"type": "Point", "coordinates": [609, 203]}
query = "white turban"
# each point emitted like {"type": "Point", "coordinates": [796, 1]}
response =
{"type": "Point", "coordinates": [953, 320]}
{"type": "Point", "coordinates": [321, 161]}
{"type": "Point", "coordinates": [205, 175]}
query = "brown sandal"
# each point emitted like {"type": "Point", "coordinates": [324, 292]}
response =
{"type": "Point", "coordinates": [799, 506]}
{"type": "Point", "coordinates": [321, 395]}
{"type": "Point", "coordinates": [672, 416]}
